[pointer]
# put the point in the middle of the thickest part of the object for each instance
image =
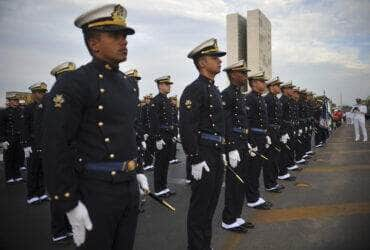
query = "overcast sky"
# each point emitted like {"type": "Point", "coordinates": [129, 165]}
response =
{"type": "Point", "coordinates": [320, 45]}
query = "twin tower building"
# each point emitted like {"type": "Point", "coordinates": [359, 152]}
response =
{"type": "Point", "coordinates": [249, 38]}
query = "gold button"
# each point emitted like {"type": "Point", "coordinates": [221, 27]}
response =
{"type": "Point", "coordinates": [113, 173]}
{"type": "Point", "coordinates": [101, 76]}
{"type": "Point", "coordinates": [79, 159]}
{"type": "Point", "coordinates": [211, 106]}
{"type": "Point", "coordinates": [107, 139]}
{"type": "Point", "coordinates": [111, 156]}
{"type": "Point", "coordinates": [100, 124]}
{"type": "Point", "coordinates": [102, 90]}
{"type": "Point", "coordinates": [100, 107]}
{"type": "Point", "coordinates": [56, 197]}
{"type": "Point", "coordinates": [67, 195]}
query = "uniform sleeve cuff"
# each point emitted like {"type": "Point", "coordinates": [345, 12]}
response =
{"type": "Point", "coordinates": [65, 202]}
{"type": "Point", "coordinates": [195, 159]}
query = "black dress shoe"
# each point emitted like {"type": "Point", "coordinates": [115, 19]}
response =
{"type": "Point", "coordinates": [239, 229]}
{"type": "Point", "coordinates": [165, 195]}
{"type": "Point", "coordinates": [263, 206]}
{"type": "Point", "coordinates": [171, 193]}
{"type": "Point", "coordinates": [290, 178]}
{"type": "Point", "coordinates": [248, 225]}
{"type": "Point", "coordinates": [297, 169]}
{"type": "Point", "coordinates": [275, 190]}
{"type": "Point", "coordinates": [268, 203]}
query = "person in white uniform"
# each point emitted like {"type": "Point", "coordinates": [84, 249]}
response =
{"type": "Point", "coordinates": [359, 112]}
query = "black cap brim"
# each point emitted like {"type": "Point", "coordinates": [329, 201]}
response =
{"type": "Point", "coordinates": [114, 28]}
{"type": "Point", "coordinates": [218, 54]}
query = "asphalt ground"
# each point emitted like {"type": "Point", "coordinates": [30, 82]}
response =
{"type": "Point", "coordinates": [327, 207]}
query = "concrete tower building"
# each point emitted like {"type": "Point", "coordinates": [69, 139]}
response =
{"type": "Point", "coordinates": [250, 39]}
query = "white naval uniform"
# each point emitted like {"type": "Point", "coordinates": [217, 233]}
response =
{"type": "Point", "coordinates": [359, 121]}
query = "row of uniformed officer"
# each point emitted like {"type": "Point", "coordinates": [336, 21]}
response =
{"type": "Point", "coordinates": [164, 133]}
{"type": "Point", "coordinates": [236, 147]}
{"type": "Point", "coordinates": [202, 131]}
{"type": "Point", "coordinates": [33, 115]}
{"type": "Point", "coordinates": [11, 130]}
{"type": "Point", "coordinates": [90, 143]}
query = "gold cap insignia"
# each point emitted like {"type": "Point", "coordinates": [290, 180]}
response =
{"type": "Point", "coordinates": [58, 101]}
{"type": "Point", "coordinates": [188, 104]}
{"type": "Point", "coordinates": [118, 12]}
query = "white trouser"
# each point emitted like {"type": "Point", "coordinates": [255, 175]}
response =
{"type": "Point", "coordinates": [360, 122]}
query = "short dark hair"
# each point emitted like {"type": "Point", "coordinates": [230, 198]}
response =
{"type": "Point", "coordinates": [90, 34]}
{"type": "Point", "coordinates": [196, 61]}
{"type": "Point", "coordinates": [250, 82]}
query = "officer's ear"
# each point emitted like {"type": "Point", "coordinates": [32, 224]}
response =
{"type": "Point", "coordinates": [92, 40]}
{"type": "Point", "coordinates": [201, 62]}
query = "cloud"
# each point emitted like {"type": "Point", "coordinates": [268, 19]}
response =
{"type": "Point", "coordinates": [316, 43]}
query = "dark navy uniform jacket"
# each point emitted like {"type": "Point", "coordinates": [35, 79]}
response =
{"type": "Point", "coordinates": [175, 120]}
{"type": "Point", "coordinates": [257, 117]}
{"type": "Point", "coordinates": [161, 118]}
{"type": "Point", "coordinates": [89, 117]}
{"type": "Point", "coordinates": [288, 122]}
{"type": "Point", "coordinates": [145, 118]}
{"type": "Point", "coordinates": [274, 112]}
{"type": "Point", "coordinates": [201, 113]}
{"type": "Point", "coordinates": [11, 125]}
{"type": "Point", "coordinates": [237, 127]}
{"type": "Point", "coordinates": [33, 119]}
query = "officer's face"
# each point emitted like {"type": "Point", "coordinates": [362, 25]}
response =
{"type": "Point", "coordinates": [260, 86]}
{"type": "Point", "coordinates": [37, 96]}
{"type": "Point", "coordinates": [275, 89]}
{"type": "Point", "coordinates": [238, 77]}
{"type": "Point", "coordinates": [13, 103]}
{"type": "Point", "coordinates": [164, 88]}
{"type": "Point", "coordinates": [110, 46]}
{"type": "Point", "coordinates": [211, 64]}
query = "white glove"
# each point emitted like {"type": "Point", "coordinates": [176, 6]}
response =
{"type": "Point", "coordinates": [27, 152]}
{"type": "Point", "coordinates": [146, 136]}
{"type": "Point", "coordinates": [305, 129]}
{"type": "Point", "coordinates": [160, 144]}
{"type": "Point", "coordinates": [300, 132]}
{"type": "Point", "coordinates": [252, 151]}
{"type": "Point", "coordinates": [143, 184]}
{"type": "Point", "coordinates": [268, 141]}
{"type": "Point", "coordinates": [234, 158]}
{"type": "Point", "coordinates": [284, 138]}
{"type": "Point", "coordinates": [5, 145]}
{"type": "Point", "coordinates": [224, 159]}
{"type": "Point", "coordinates": [80, 221]}
{"type": "Point", "coordinates": [288, 136]}
{"type": "Point", "coordinates": [174, 139]}
{"type": "Point", "coordinates": [143, 144]}
{"type": "Point", "coordinates": [197, 170]}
